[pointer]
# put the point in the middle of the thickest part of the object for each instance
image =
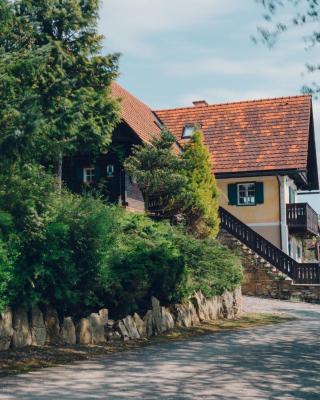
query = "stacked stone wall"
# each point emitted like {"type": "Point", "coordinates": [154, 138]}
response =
{"type": "Point", "coordinates": [21, 328]}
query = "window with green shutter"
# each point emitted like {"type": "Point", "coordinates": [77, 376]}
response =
{"type": "Point", "coordinates": [246, 193]}
{"type": "Point", "coordinates": [232, 194]}
{"type": "Point", "coordinates": [259, 193]}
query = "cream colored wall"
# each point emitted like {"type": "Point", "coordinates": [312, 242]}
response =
{"type": "Point", "coordinates": [263, 218]}
{"type": "Point", "coordinates": [267, 212]}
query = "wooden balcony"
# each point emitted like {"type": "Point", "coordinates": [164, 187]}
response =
{"type": "Point", "coordinates": [302, 219]}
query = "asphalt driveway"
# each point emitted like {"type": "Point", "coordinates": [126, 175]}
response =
{"type": "Point", "coordinates": [273, 362]}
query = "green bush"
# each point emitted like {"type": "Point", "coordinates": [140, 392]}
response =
{"type": "Point", "coordinates": [146, 262]}
{"type": "Point", "coordinates": [157, 259]}
{"type": "Point", "coordinates": [75, 250]}
{"type": "Point", "coordinates": [76, 253]}
{"type": "Point", "coordinates": [212, 268]}
{"type": "Point", "coordinates": [66, 264]}
{"type": "Point", "coordinates": [6, 273]}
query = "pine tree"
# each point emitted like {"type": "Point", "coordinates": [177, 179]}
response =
{"type": "Point", "coordinates": [158, 171]}
{"type": "Point", "coordinates": [54, 83]}
{"type": "Point", "coordinates": [200, 196]}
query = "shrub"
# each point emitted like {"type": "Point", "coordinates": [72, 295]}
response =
{"type": "Point", "coordinates": [147, 263]}
{"type": "Point", "coordinates": [212, 268]}
{"type": "Point", "coordinates": [157, 259]}
{"type": "Point", "coordinates": [7, 260]}
{"type": "Point", "coordinates": [69, 263]}
{"type": "Point", "coordinates": [77, 254]}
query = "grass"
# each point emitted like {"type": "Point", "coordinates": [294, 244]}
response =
{"type": "Point", "coordinates": [32, 358]}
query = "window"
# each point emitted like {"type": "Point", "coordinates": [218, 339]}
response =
{"type": "Point", "coordinates": [188, 131]}
{"type": "Point", "coordinates": [88, 175]}
{"type": "Point", "coordinates": [246, 194]}
{"type": "Point", "coordinates": [110, 171]}
{"type": "Point", "coordinates": [292, 195]}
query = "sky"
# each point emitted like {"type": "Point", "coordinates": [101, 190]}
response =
{"type": "Point", "coordinates": [176, 51]}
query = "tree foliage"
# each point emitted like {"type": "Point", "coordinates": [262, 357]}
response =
{"type": "Point", "coordinates": [55, 85]}
{"type": "Point", "coordinates": [156, 168]}
{"type": "Point", "coordinates": [294, 13]}
{"type": "Point", "coordinates": [184, 182]}
{"type": "Point", "coordinates": [199, 196]}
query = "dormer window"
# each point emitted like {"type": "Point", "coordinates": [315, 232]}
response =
{"type": "Point", "coordinates": [188, 131]}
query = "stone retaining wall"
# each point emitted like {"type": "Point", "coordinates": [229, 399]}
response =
{"type": "Point", "coordinates": [266, 281]}
{"type": "Point", "coordinates": [20, 328]}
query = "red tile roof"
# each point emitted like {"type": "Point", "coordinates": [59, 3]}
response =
{"type": "Point", "coordinates": [260, 135]}
{"type": "Point", "coordinates": [136, 114]}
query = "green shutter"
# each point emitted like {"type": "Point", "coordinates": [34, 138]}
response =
{"type": "Point", "coordinates": [79, 174]}
{"type": "Point", "coordinates": [259, 193]}
{"type": "Point", "coordinates": [97, 173]}
{"type": "Point", "coordinates": [232, 194]}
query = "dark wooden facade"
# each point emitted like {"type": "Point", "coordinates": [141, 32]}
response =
{"type": "Point", "coordinates": [117, 187]}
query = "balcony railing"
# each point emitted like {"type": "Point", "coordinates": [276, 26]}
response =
{"type": "Point", "coordinates": [302, 219]}
{"type": "Point", "coordinates": [308, 274]}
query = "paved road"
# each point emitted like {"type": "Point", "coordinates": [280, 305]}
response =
{"type": "Point", "coordinates": [274, 362]}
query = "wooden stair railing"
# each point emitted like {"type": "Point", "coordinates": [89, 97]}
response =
{"type": "Point", "coordinates": [300, 273]}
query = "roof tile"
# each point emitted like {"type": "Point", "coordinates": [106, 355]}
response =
{"type": "Point", "coordinates": [258, 135]}
{"type": "Point", "coordinates": [136, 114]}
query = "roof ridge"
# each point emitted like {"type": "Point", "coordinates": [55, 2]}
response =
{"type": "Point", "coordinates": [132, 95]}
{"type": "Point", "coordinates": [234, 103]}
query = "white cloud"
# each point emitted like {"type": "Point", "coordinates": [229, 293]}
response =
{"type": "Point", "coordinates": [128, 24]}
{"type": "Point", "coordinates": [258, 67]}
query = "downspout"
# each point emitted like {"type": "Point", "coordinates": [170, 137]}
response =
{"type": "Point", "coordinates": [280, 210]}
{"type": "Point", "coordinates": [283, 214]}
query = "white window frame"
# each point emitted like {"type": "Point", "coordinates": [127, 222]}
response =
{"type": "Point", "coordinates": [247, 185]}
{"type": "Point", "coordinates": [188, 128]}
{"type": "Point", "coordinates": [89, 174]}
{"type": "Point", "coordinates": [110, 171]}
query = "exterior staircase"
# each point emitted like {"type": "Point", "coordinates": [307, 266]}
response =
{"type": "Point", "coordinates": [266, 255]}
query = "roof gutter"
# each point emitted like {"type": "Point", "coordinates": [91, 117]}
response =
{"type": "Point", "coordinates": [244, 174]}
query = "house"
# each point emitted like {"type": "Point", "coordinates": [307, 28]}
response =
{"type": "Point", "coordinates": [139, 125]}
{"type": "Point", "coordinates": [263, 153]}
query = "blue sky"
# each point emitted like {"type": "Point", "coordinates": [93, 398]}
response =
{"type": "Point", "coordinates": [177, 51]}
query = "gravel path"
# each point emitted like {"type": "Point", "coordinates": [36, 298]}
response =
{"type": "Point", "coordinates": [272, 362]}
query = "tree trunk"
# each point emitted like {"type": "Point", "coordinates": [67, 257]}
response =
{"type": "Point", "coordinates": [59, 172]}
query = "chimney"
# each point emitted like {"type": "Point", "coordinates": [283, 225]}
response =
{"type": "Point", "coordinates": [200, 103]}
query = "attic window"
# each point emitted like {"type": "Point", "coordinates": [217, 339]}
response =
{"type": "Point", "coordinates": [188, 131]}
